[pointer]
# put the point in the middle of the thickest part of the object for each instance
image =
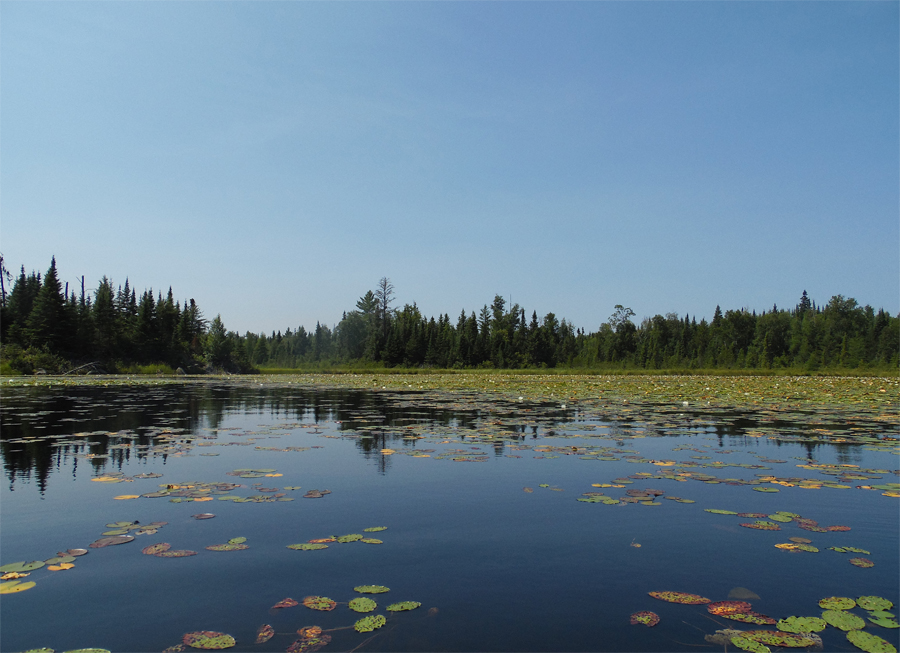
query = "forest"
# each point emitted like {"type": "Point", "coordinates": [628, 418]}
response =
{"type": "Point", "coordinates": [48, 328]}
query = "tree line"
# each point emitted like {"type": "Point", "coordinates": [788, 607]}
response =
{"type": "Point", "coordinates": [46, 326]}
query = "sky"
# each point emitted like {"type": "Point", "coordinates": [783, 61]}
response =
{"type": "Point", "coordinates": [274, 160]}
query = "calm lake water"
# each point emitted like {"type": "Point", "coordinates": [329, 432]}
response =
{"type": "Point", "coordinates": [480, 499]}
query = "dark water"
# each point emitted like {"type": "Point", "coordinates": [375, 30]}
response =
{"type": "Point", "coordinates": [495, 567]}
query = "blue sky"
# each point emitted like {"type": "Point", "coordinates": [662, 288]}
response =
{"type": "Point", "coordinates": [273, 160]}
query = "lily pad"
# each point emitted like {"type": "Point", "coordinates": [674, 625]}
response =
{"type": "Point", "coordinates": [153, 549]}
{"type": "Point", "coordinates": [237, 540]}
{"type": "Point", "coordinates": [646, 618]}
{"type": "Point", "coordinates": [362, 604]}
{"type": "Point", "coordinates": [22, 566]}
{"type": "Point", "coordinates": [778, 638]}
{"type": "Point", "coordinates": [286, 603]}
{"type": "Point", "coordinates": [264, 634]}
{"type": "Point", "coordinates": [749, 618]}
{"type": "Point", "coordinates": [762, 525]}
{"type": "Point", "coordinates": [353, 537]}
{"type": "Point", "coordinates": [309, 644]}
{"type": "Point", "coordinates": [370, 623]}
{"type": "Point", "coordinates": [208, 640]}
{"type": "Point", "coordinates": [884, 622]}
{"type": "Point", "coordinates": [15, 586]}
{"type": "Point", "coordinates": [371, 589]}
{"type": "Point", "coordinates": [306, 546]}
{"type": "Point", "coordinates": [403, 605]}
{"type": "Point", "coordinates": [801, 625]}
{"type": "Point", "coordinates": [111, 541]}
{"type": "Point", "coordinates": [874, 603]}
{"type": "Point", "coordinates": [843, 620]}
{"type": "Point", "coordinates": [203, 515]}
{"type": "Point", "coordinates": [837, 603]}
{"type": "Point", "coordinates": [862, 562]}
{"type": "Point", "coordinates": [227, 547]}
{"type": "Point", "coordinates": [176, 553]}
{"type": "Point", "coordinates": [728, 607]}
{"type": "Point", "coordinates": [869, 642]}
{"type": "Point", "coordinates": [751, 645]}
{"type": "Point", "coordinates": [319, 603]}
{"type": "Point", "coordinates": [716, 511]}
{"type": "Point", "coordinates": [375, 529]}
{"type": "Point", "coordinates": [679, 597]}
{"type": "Point", "coordinates": [370, 540]}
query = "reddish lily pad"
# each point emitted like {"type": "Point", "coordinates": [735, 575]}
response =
{"type": "Point", "coordinates": [286, 603]}
{"type": "Point", "coordinates": [728, 607]}
{"type": "Point", "coordinates": [208, 640]}
{"type": "Point", "coordinates": [646, 618]}
{"type": "Point", "coordinates": [309, 644]}
{"type": "Point", "coordinates": [227, 547]}
{"type": "Point", "coordinates": [861, 562]}
{"type": "Point", "coordinates": [153, 549]}
{"type": "Point", "coordinates": [176, 553]}
{"type": "Point", "coordinates": [750, 618]}
{"type": "Point", "coordinates": [203, 515]}
{"type": "Point", "coordinates": [264, 634]}
{"type": "Point", "coordinates": [319, 603]}
{"type": "Point", "coordinates": [679, 597]}
{"type": "Point", "coordinates": [869, 642]}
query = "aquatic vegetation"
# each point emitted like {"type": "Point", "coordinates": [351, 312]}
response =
{"type": "Point", "coordinates": [646, 618]}
{"type": "Point", "coordinates": [370, 623]}
{"type": "Point", "coordinates": [208, 640]}
{"type": "Point", "coordinates": [362, 604]}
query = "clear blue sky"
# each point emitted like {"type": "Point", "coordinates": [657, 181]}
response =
{"type": "Point", "coordinates": [273, 160]}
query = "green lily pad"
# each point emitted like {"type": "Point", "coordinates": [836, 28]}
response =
{"type": "Point", "coordinates": [111, 541]}
{"type": "Point", "coordinates": [843, 620]}
{"type": "Point", "coordinates": [353, 537]}
{"type": "Point", "coordinates": [371, 589]}
{"type": "Point", "coordinates": [58, 560]}
{"type": "Point", "coordinates": [154, 549]}
{"type": "Point", "coordinates": [370, 540]}
{"type": "Point", "coordinates": [784, 519]}
{"type": "Point", "coordinates": [227, 547]}
{"type": "Point", "coordinates": [762, 525]}
{"type": "Point", "coordinates": [22, 566]}
{"type": "Point", "coordinates": [716, 511]}
{"type": "Point", "coordinates": [39, 650]}
{"type": "Point", "coordinates": [362, 604]}
{"type": "Point", "coordinates": [778, 638]}
{"type": "Point", "coordinates": [884, 622]}
{"type": "Point", "coordinates": [679, 597]}
{"type": "Point", "coordinates": [88, 650]}
{"type": "Point", "coordinates": [766, 489]}
{"type": "Point", "coordinates": [15, 586]}
{"type": "Point", "coordinates": [208, 640]}
{"type": "Point", "coordinates": [370, 623]}
{"type": "Point", "coordinates": [801, 625]}
{"type": "Point", "coordinates": [869, 642]}
{"type": "Point", "coordinates": [646, 618]}
{"type": "Point", "coordinates": [874, 603]}
{"type": "Point", "coordinates": [375, 529]}
{"type": "Point", "coordinates": [319, 603]}
{"type": "Point", "coordinates": [306, 546]}
{"type": "Point", "coordinates": [237, 540]}
{"type": "Point", "coordinates": [749, 645]}
{"type": "Point", "coordinates": [403, 605]}
{"type": "Point", "coordinates": [837, 603]}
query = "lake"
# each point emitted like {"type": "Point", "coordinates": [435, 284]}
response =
{"type": "Point", "coordinates": [532, 514]}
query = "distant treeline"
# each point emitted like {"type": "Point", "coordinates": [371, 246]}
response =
{"type": "Point", "coordinates": [45, 326]}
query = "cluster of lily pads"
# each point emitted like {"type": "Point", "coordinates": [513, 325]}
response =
{"type": "Point", "coordinates": [323, 542]}
{"type": "Point", "coordinates": [791, 632]}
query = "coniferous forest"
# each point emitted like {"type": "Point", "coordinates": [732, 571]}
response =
{"type": "Point", "coordinates": [45, 326]}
